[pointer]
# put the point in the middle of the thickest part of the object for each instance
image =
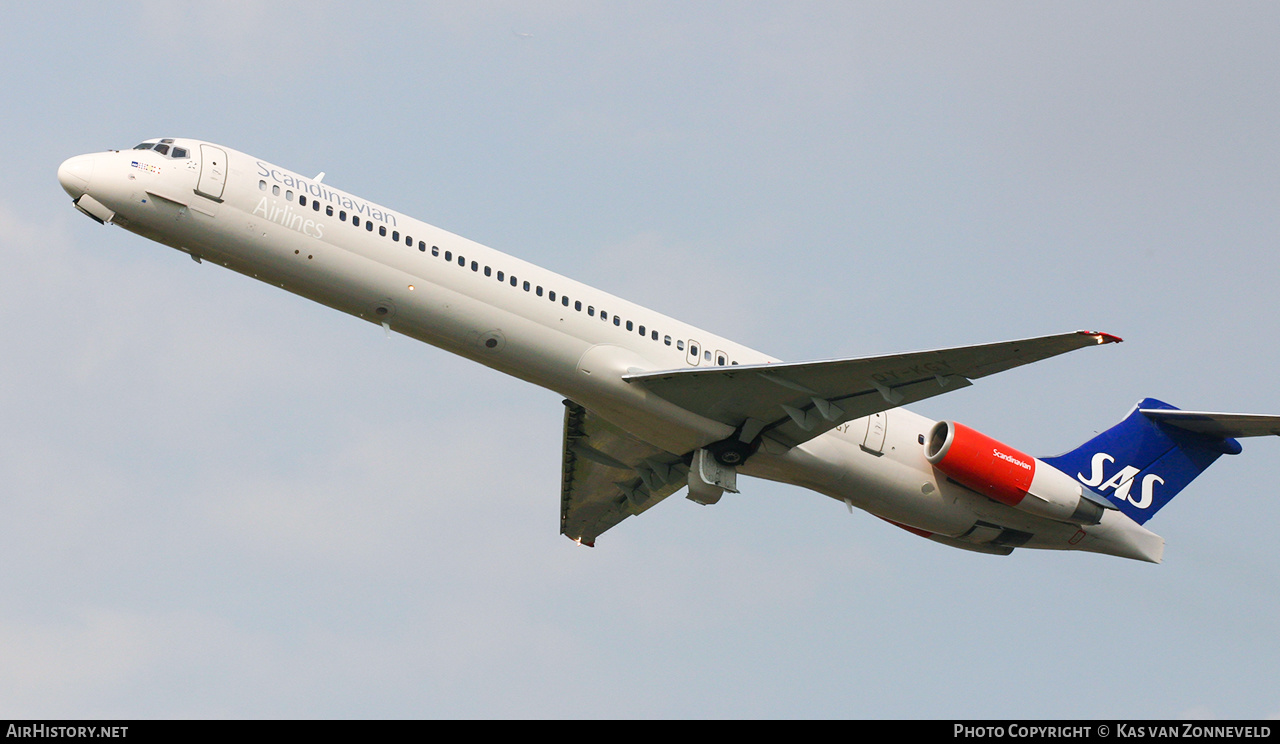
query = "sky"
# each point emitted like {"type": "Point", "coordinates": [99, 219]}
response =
{"type": "Point", "coordinates": [221, 500]}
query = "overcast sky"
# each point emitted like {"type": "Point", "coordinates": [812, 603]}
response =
{"type": "Point", "coordinates": [221, 500]}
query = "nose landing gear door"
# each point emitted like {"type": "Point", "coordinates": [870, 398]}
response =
{"type": "Point", "coordinates": [213, 172]}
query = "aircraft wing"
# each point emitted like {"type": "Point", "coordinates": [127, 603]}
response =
{"type": "Point", "coordinates": [794, 402]}
{"type": "Point", "coordinates": [609, 475]}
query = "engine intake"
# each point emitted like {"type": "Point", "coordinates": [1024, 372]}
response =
{"type": "Point", "coordinates": [1008, 476]}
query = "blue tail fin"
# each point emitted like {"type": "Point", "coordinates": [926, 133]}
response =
{"type": "Point", "coordinates": [1141, 463]}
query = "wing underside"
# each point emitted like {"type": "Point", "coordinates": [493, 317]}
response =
{"type": "Point", "coordinates": [608, 475]}
{"type": "Point", "coordinates": [793, 402]}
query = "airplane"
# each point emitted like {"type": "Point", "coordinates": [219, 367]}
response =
{"type": "Point", "coordinates": [653, 405]}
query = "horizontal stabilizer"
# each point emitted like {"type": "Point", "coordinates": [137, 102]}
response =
{"type": "Point", "coordinates": [1225, 425]}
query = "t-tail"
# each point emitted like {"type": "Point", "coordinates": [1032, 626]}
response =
{"type": "Point", "coordinates": [1141, 463]}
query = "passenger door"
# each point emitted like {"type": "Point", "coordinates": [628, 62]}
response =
{"type": "Point", "coordinates": [213, 172]}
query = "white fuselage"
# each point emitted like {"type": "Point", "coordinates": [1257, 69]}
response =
{"type": "Point", "coordinates": [298, 233]}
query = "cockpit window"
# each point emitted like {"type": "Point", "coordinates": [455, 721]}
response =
{"type": "Point", "coordinates": [163, 147]}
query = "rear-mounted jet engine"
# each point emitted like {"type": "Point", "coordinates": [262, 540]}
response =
{"type": "Point", "coordinates": [1008, 476]}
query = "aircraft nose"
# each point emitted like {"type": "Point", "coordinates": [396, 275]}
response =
{"type": "Point", "coordinates": [74, 175]}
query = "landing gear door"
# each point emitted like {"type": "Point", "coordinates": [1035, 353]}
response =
{"type": "Point", "coordinates": [213, 172]}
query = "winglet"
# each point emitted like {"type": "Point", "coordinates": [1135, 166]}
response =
{"type": "Point", "coordinates": [1103, 338]}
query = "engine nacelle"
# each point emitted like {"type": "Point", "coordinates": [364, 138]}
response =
{"type": "Point", "coordinates": [1004, 474]}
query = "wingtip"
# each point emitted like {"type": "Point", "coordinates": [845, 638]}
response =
{"type": "Point", "coordinates": [1102, 338]}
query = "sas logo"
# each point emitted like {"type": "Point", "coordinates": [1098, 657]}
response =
{"type": "Point", "coordinates": [1122, 481]}
{"type": "Point", "coordinates": [148, 168]}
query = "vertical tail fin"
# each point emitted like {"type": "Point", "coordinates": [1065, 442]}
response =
{"type": "Point", "coordinates": [1141, 463]}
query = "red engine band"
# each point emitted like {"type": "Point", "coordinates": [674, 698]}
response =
{"type": "Point", "coordinates": [980, 462]}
